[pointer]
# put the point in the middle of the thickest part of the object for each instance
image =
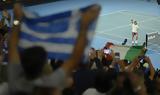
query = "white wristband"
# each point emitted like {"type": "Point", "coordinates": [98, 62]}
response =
{"type": "Point", "coordinates": [16, 22]}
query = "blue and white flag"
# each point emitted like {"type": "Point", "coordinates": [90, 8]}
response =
{"type": "Point", "coordinates": [56, 33]}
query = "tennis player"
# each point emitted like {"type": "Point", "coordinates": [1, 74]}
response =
{"type": "Point", "coordinates": [135, 28]}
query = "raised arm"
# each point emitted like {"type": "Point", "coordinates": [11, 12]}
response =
{"type": "Point", "coordinates": [152, 71]}
{"type": "Point", "coordinates": [132, 65]}
{"type": "Point", "coordinates": [122, 66]}
{"type": "Point", "coordinates": [78, 50]}
{"type": "Point", "coordinates": [13, 41]}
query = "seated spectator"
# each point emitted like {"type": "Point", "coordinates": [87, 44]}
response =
{"type": "Point", "coordinates": [5, 22]}
{"type": "Point", "coordinates": [108, 53]}
{"type": "Point", "coordinates": [6, 18]}
{"type": "Point", "coordinates": [95, 59]}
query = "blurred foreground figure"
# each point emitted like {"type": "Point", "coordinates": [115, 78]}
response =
{"type": "Point", "coordinates": [25, 68]}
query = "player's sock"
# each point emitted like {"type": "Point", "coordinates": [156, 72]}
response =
{"type": "Point", "coordinates": [136, 42]}
{"type": "Point", "coordinates": [132, 43]}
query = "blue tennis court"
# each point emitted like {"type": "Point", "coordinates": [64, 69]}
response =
{"type": "Point", "coordinates": [115, 27]}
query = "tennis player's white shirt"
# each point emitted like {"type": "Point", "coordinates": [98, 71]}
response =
{"type": "Point", "coordinates": [135, 28]}
{"type": "Point", "coordinates": [92, 91]}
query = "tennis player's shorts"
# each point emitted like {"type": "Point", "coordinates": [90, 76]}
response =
{"type": "Point", "coordinates": [134, 33]}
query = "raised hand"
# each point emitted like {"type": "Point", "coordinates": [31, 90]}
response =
{"type": "Point", "coordinates": [147, 59]}
{"type": "Point", "coordinates": [90, 14]}
{"type": "Point", "coordinates": [18, 11]}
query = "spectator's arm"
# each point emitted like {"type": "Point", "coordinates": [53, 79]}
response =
{"type": "Point", "coordinates": [13, 41]}
{"type": "Point", "coordinates": [120, 63]}
{"type": "Point", "coordinates": [137, 83]}
{"type": "Point", "coordinates": [142, 91]}
{"type": "Point", "coordinates": [78, 50]}
{"type": "Point", "coordinates": [122, 66]}
{"type": "Point", "coordinates": [132, 65]}
{"type": "Point", "coordinates": [152, 71]}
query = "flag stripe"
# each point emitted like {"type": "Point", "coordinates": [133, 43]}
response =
{"type": "Point", "coordinates": [29, 14]}
{"type": "Point", "coordinates": [50, 17]}
{"type": "Point", "coordinates": [71, 33]}
{"type": "Point", "coordinates": [58, 55]}
{"type": "Point", "coordinates": [50, 47]}
{"type": "Point", "coordinates": [32, 38]}
{"type": "Point", "coordinates": [55, 26]}
{"type": "Point", "coordinates": [55, 55]}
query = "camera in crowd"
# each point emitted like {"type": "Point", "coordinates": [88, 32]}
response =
{"type": "Point", "coordinates": [143, 63]}
{"type": "Point", "coordinates": [141, 59]}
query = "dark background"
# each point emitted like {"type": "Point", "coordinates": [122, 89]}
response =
{"type": "Point", "coordinates": [8, 4]}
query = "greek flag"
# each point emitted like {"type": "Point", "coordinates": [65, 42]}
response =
{"type": "Point", "coordinates": [56, 33]}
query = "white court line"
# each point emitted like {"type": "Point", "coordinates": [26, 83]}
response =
{"type": "Point", "coordinates": [109, 38]}
{"type": "Point", "coordinates": [140, 14]}
{"type": "Point", "coordinates": [153, 44]}
{"type": "Point", "coordinates": [99, 33]}
{"type": "Point", "coordinates": [123, 26]}
{"type": "Point", "coordinates": [155, 51]}
{"type": "Point", "coordinates": [130, 12]}
{"type": "Point", "coordinates": [120, 11]}
{"type": "Point", "coordinates": [118, 36]}
{"type": "Point", "coordinates": [149, 28]}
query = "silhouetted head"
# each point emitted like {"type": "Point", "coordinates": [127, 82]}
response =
{"type": "Point", "coordinates": [33, 60]}
{"type": "Point", "coordinates": [103, 81]}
